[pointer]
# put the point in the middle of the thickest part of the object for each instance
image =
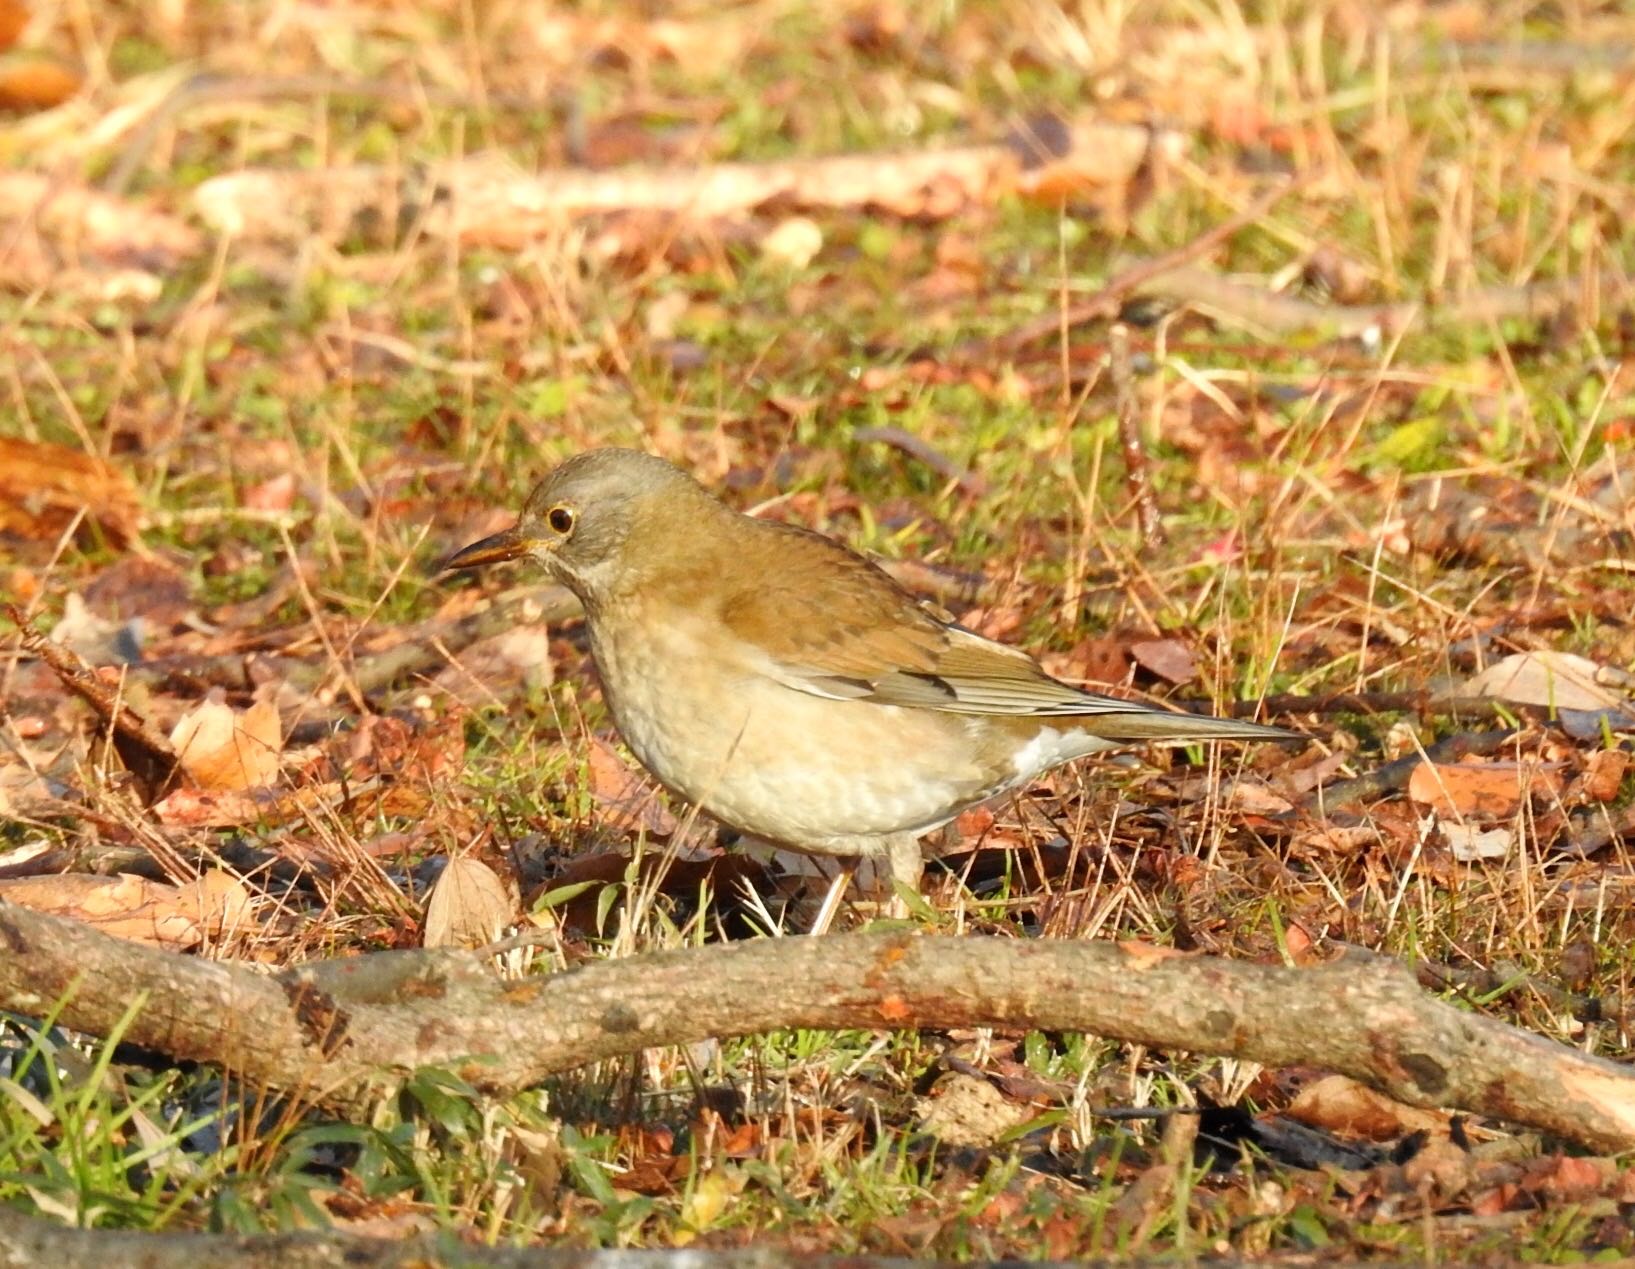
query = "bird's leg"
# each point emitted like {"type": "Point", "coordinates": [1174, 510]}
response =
{"type": "Point", "coordinates": [906, 867]}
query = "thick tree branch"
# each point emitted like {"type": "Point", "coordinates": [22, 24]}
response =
{"type": "Point", "coordinates": [29, 1241]}
{"type": "Point", "coordinates": [332, 1026]}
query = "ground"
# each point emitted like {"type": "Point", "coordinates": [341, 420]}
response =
{"type": "Point", "coordinates": [298, 300]}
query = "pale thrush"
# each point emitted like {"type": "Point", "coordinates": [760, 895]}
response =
{"type": "Point", "coordinates": [787, 686]}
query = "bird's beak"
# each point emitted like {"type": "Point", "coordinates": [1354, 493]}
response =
{"type": "Point", "coordinates": [509, 545]}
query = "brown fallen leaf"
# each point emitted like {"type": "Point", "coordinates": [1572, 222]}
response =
{"type": "Point", "coordinates": [135, 908]}
{"type": "Point", "coordinates": [1143, 956]}
{"type": "Point", "coordinates": [219, 901]}
{"type": "Point", "coordinates": [13, 21]}
{"type": "Point", "coordinates": [35, 81]}
{"type": "Point", "coordinates": [469, 905]}
{"type": "Point", "coordinates": [232, 808]}
{"type": "Point", "coordinates": [1556, 680]}
{"type": "Point", "coordinates": [1169, 659]}
{"type": "Point", "coordinates": [221, 748]}
{"type": "Point", "coordinates": [1604, 775]}
{"type": "Point", "coordinates": [45, 487]}
{"type": "Point", "coordinates": [1485, 790]}
{"type": "Point", "coordinates": [630, 799]}
{"type": "Point", "coordinates": [1342, 1105]}
{"type": "Point", "coordinates": [276, 494]}
{"type": "Point", "coordinates": [1247, 793]}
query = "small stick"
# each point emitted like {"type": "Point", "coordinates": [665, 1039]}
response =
{"type": "Point", "coordinates": [145, 750]}
{"type": "Point", "coordinates": [1136, 479]}
{"type": "Point", "coordinates": [918, 448]}
{"type": "Point", "coordinates": [1364, 703]}
{"type": "Point", "coordinates": [1105, 302]}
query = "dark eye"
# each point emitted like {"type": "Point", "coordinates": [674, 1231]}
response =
{"type": "Point", "coordinates": [560, 519]}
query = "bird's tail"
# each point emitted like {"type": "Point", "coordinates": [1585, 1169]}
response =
{"type": "Point", "coordinates": [1126, 724]}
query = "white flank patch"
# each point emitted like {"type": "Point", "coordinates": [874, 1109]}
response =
{"type": "Point", "coordinates": [1051, 748]}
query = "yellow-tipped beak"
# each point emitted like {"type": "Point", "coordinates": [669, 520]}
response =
{"type": "Point", "coordinates": [509, 545]}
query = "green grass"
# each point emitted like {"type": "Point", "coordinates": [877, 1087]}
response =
{"type": "Point", "coordinates": [250, 365]}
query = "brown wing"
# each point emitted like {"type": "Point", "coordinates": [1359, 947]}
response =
{"type": "Point", "coordinates": [826, 621]}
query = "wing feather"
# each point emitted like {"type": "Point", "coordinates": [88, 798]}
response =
{"type": "Point", "coordinates": [823, 620]}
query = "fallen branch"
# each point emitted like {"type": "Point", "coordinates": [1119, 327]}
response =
{"type": "Point", "coordinates": [331, 1027]}
{"type": "Point", "coordinates": [480, 200]}
{"type": "Point", "coordinates": [26, 1240]}
{"type": "Point", "coordinates": [1272, 313]}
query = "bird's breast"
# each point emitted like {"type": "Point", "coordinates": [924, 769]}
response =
{"type": "Point", "coordinates": [781, 763]}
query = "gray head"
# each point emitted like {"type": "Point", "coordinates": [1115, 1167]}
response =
{"type": "Point", "coordinates": [578, 519]}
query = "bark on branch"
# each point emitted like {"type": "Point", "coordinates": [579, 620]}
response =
{"type": "Point", "coordinates": [29, 1242]}
{"type": "Point", "coordinates": [332, 1027]}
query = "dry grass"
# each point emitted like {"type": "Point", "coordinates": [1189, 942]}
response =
{"type": "Point", "coordinates": [1319, 495]}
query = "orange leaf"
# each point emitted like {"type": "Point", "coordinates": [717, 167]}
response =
{"type": "Point", "coordinates": [32, 81]}
{"type": "Point", "coordinates": [220, 748]}
{"type": "Point", "coordinates": [44, 486]}
{"type": "Point", "coordinates": [1492, 790]}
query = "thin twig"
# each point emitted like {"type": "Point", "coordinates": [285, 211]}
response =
{"type": "Point", "coordinates": [1106, 302]}
{"type": "Point", "coordinates": [1136, 478]}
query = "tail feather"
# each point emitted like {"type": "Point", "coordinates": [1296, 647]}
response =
{"type": "Point", "coordinates": [1162, 724]}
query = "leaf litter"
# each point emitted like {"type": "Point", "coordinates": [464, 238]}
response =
{"type": "Point", "coordinates": [1395, 510]}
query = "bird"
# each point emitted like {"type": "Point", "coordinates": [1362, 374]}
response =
{"type": "Point", "coordinates": [789, 687]}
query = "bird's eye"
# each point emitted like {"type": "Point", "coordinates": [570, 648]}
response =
{"type": "Point", "coordinates": [560, 519]}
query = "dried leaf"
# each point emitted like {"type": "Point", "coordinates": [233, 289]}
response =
{"type": "Point", "coordinates": [223, 749]}
{"type": "Point", "coordinates": [218, 900]}
{"type": "Point", "coordinates": [1470, 844]}
{"type": "Point", "coordinates": [469, 906]}
{"type": "Point", "coordinates": [44, 487]}
{"type": "Point", "coordinates": [1439, 1168]}
{"type": "Point", "coordinates": [1556, 680]}
{"type": "Point", "coordinates": [13, 21]}
{"type": "Point", "coordinates": [135, 908]}
{"type": "Point", "coordinates": [34, 81]}
{"type": "Point", "coordinates": [231, 808]}
{"type": "Point", "coordinates": [1486, 790]}
{"type": "Point", "coordinates": [277, 494]}
{"type": "Point", "coordinates": [1142, 955]}
{"type": "Point", "coordinates": [1169, 659]}
{"type": "Point", "coordinates": [630, 799]}
{"type": "Point", "coordinates": [1604, 775]}
{"type": "Point", "coordinates": [1342, 1105]}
